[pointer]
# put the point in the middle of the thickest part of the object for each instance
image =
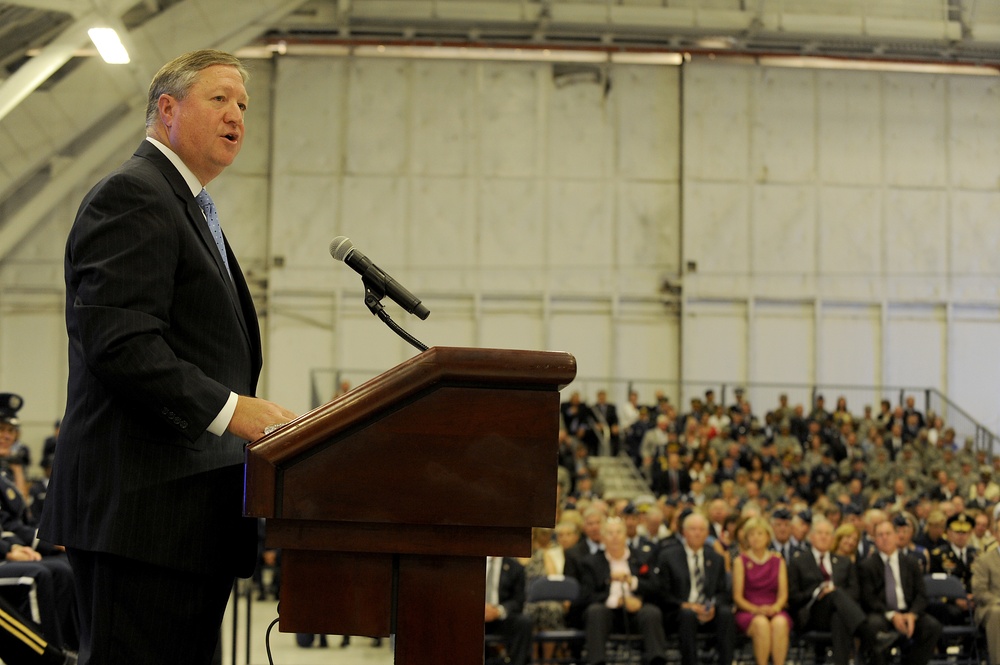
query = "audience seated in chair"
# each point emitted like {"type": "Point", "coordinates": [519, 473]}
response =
{"type": "Point", "coordinates": [823, 594]}
{"type": "Point", "coordinates": [986, 594]}
{"type": "Point", "coordinates": [694, 594]}
{"type": "Point", "coordinates": [505, 590]}
{"type": "Point", "coordinates": [760, 592]}
{"type": "Point", "coordinates": [619, 588]}
{"type": "Point", "coordinates": [894, 597]}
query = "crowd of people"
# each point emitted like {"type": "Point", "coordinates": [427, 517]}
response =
{"type": "Point", "coordinates": [38, 612]}
{"type": "Point", "coordinates": [769, 525]}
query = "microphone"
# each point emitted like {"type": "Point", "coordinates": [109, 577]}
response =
{"type": "Point", "coordinates": [342, 249]}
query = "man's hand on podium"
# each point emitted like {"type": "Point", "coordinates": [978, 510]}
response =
{"type": "Point", "coordinates": [253, 415]}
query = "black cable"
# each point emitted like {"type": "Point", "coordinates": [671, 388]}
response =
{"type": "Point", "coordinates": [267, 635]}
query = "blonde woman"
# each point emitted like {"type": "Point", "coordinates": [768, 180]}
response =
{"type": "Point", "coordinates": [760, 591]}
{"type": "Point", "coordinates": [845, 541]}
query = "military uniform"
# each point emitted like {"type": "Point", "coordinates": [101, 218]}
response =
{"type": "Point", "coordinates": [945, 559]}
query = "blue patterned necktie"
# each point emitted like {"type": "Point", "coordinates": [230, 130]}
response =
{"type": "Point", "coordinates": [208, 207]}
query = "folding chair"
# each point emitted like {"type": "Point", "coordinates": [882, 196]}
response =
{"type": "Point", "coordinates": [959, 643]}
{"type": "Point", "coordinates": [558, 588]}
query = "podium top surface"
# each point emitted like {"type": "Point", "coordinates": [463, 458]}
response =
{"type": "Point", "coordinates": [448, 410]}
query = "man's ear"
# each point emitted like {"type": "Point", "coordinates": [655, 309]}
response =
{"type": "Point", "coordinates": [167, 106]}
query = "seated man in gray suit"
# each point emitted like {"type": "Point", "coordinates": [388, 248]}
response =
{"type": "Point", "coordinates": [823, 593]}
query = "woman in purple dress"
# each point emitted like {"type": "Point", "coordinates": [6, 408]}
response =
{"type": "Point", "coordinates": [760, 591]}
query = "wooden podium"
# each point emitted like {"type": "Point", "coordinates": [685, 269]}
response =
{"type": "Point", "coordinates": [387, 500]}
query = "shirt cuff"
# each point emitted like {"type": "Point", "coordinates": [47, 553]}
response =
{"type": "Point", "coordinates": [221, 422]}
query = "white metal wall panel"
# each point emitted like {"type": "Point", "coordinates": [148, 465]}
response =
{"type": "Point", "coordinates": [914, 123]}
{"type": "Point", "coordinates": [579, 131]}
{"type": "Point", "coordinates": [296, 346]}
{"type": "Point", "coordinates": [784, 239]}
{"type": "Point", "coordinates": [849, 246]}
{"type": "Point", "coordinates": [850, 121]}
{"type": "Point", "coordinates": [646, 347]}
{"type": "Point", "coordinates": [308, 209]}
{"type": "Point", "coordinates": [33, 364]}
{"type": "Point", "coordinates": [974, 133]}
{"type": "Point", "coordinates": [647, 239]}
{"type": "Point", "coordinates": [916, 243]}
{"type": "Point", "coordinates": [579, 226]}
{"type": "Point", "coordinates": [648, 108]}
{"type": "Point", "coordinates": [973, 243]}
{"type": "Point", "coordinates": [443, 138]}
{"type": "Point", "coordinates": [715, 343]}
{"type": "Point", "coordinates": [309, 115]}
{"type": "Point", "coordinates": [378, 116]}
{"type": "Point", "coordinates": [517, 327]}
{"type": "Point", "coordinates": [782, 349]}
{"type": "Point", "coordinates": [974, 363]}
{"type": "Point", "coordinates": [717, 122]}
{"type": "Point", "coordinates": [916, 337]}
{"type": "Point", "coordinates": [849, 350]}
{"type": "Point", "coordinates": [585, 334]}
{"type": "Point", "coordinates": [783, 137]}
{"type": "Point", "coordinates": [509, 118]}
{"type": "Point", "coordinates": [512, 235]}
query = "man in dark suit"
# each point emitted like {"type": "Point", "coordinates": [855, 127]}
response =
{"type": "Point", "coordinates": [164, 357]}
{"type": "Point", "coordinates": [620, 588]}
{"type": "Point", "coordinates": [504, 605]}
{"type": "Point", "coordinates": [606, 415]}
{"type": "Point", "coordinates": [823, 593]}
{"type": "Point", "coordinates": [686, 606]}
{"type": "Point", "coordinates": [895, 599]}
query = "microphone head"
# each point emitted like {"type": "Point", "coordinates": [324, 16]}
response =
{"type": "Point", "coordinates": [340, 247]}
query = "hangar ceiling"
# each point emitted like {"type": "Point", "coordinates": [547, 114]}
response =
{"type": "Point", "coordinates": [63, 111]}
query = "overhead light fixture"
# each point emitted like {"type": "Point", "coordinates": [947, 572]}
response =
{"type": "Point", "coordinates": [109, 45]}
{"type": "Point", "coordinates": [812, 62]}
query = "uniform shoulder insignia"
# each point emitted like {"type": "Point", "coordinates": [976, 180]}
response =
{"type": "Point", "coordinates": [936, 551]}
{"type": "Point", "coordinates": [11, 494]}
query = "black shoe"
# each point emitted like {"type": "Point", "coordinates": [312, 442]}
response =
{"type": "Point", "coordinates": [376, 641]}
{"type": "Point", "coordinates": [345, 642]}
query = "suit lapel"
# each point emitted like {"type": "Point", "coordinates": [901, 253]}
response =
{"type": "Point", "coordinates": [235, 285]}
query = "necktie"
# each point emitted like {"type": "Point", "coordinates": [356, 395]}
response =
{"type": "Point", "coordinates": [699, 579]}
{"type": "Point", "coordinates": [823, 569]}
{"type": "Point", "coordinates": [212, 217]}
{"type": "Point", "coordinates": [890, 588]}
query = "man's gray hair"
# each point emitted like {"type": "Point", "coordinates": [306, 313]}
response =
{"type": "Point", "coordinates": [177, 76]}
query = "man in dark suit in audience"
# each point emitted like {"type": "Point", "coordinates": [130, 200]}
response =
{"type": "Point", "coordinates": [164, 356]}
{"type": "Point", "coordinates": [504, 605]}
{"type": "Point", "coordinates": [694, 593]}
{"type": "Point", "coordinates": [823, 593]}
{"type": "Point", "coordinates": [589, 543]}
{"type": "Point", "coordinates": [895, 599]}
{"type": "Point", "coordinates": [620, 589]}
{"type": "Point", "coordinates": [606, 415]}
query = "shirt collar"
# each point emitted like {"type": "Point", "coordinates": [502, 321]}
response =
{"type": "Point", "coordinates": [189, 177]}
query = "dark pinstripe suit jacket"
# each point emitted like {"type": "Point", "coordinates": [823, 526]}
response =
{"type": "Point", "coordinates": [158, 336]}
